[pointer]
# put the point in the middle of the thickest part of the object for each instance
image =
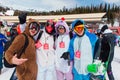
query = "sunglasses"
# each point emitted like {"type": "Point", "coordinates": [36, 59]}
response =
{"type": "Point", "coordinates": [35, 26]}
{"type": "Point", "coordinates": [61, 27]}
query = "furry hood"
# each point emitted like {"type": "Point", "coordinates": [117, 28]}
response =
{"type": "Point", "coordinates": [63, 23]}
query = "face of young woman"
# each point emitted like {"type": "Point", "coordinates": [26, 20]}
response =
{"type": "Point", "coordinates": [33, 29]}
{"type": "Point", "coordinates": [79, 30]}
{"type": "Point", "coordinates": [61, 29]}
{"type": "Point", "coordinates": [32, 32]}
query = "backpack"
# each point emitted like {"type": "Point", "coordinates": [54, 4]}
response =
{"type": "Point", "coordinates": [7, 45]}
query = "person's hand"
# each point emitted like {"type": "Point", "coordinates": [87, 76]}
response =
{"type": "Point", "coordinates": [65, 55]}
{"type": "Point", "coordinates": [96, 61]}
{"type": "Point", "coordinates": [17, 61]}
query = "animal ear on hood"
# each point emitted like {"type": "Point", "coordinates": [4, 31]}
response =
{"type": "Point", "coordinates": [63, 19]}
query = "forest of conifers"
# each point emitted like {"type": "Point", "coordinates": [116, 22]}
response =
{"type": "Point", "coordinates": [112, 11]}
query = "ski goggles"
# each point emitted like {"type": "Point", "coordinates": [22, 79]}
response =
{"type": "Point", "coordinates": [35, 26]}
{"type": "Point", "coordinates": [61, 27]}
{"type": "Point", "coordinates": [50, 23]}
{"type": "Point", "coordinates": [78, 28]}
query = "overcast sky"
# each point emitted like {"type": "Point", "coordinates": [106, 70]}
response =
{"type": "Point", "coordinates": [48, 5]}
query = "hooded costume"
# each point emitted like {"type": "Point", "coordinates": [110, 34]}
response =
{"type": "Point", "coordinates": [62, 45]}
{"type": "Point", "coordinates": [3, 40]}
{"type": "Point", "coordinates": [81, 52]}
{"type": "Point", "coordinates": [46, 54]}
{"type": "Point", "coordinates": [27, 70]}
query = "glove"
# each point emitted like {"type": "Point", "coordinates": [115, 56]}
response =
{"type": "Point", "coordinates": [96, 61]}
{"type": "Point", "coordinates": [22, 18]}
{"type": "Point", "coordinates": [65, 55]}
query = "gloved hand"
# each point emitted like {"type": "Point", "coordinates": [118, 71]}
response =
{"type": "Point", "coordinates": [22, 18]}
{"type": "Point", "coordinates": [96, 61]}
{"type": "Point", "coordinates": [65, 55]}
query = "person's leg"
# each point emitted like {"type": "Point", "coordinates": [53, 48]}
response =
{"type": "Point", "coordinates": [51, 73]}
{"type": "Point", "coordinates": [85, 77]}
{"type": "Point", "coordinates": [69, 75]}
{"type": "Point", "coordinates": [0, 71]}
{"type": "Point", "coordinates": [109, 72]}
{"type": "Point", "coordinates": [1, 64]}
{"type": "Point", "coordinates": [60, 75]}
{"type": "Point", "coordinates": [41, 73]}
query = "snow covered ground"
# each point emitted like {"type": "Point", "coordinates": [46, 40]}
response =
{"type": "Point", "coordinates": [6, 73]}
{"type": "Point", "coordinates": [116, 63]}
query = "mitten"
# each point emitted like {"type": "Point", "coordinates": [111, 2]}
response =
{"type": "Point", "coordinates": [65, 55]}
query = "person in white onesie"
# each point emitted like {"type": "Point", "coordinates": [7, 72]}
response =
{"type": "Point", "coordinates": [46, 53]}
{"type": "Point", "coordinates": [63, 66]}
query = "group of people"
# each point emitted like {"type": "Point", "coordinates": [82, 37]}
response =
{"type": "Point", "coordinates": [58, 52]}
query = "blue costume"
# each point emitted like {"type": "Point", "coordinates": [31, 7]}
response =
{"type": "Point", "coordinates": [3, 40]}
{"type": "Point", "coordinates": [81, 52]}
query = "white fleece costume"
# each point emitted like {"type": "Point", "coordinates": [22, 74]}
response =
{"type": "Point", "coordinates": [46, 58]}
{"type": "Point", "coordinates": [61, 64]}
{"type": "Point", "coordinates": [62, 45]}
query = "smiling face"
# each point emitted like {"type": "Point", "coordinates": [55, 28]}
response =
{"type": "Point", "coordinates": [79, 29]}
{"type": "Point", "coordinates": [34, 28]}
{"type": "Point", "coordinates": [61, 29]}
{"type": "Point", "coordinates": [50, 27]}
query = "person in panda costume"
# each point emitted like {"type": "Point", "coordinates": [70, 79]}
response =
{"type": "Point", "coordinates": [63, 65]}
{"type": "Point", "coordinates": [46, 53]}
